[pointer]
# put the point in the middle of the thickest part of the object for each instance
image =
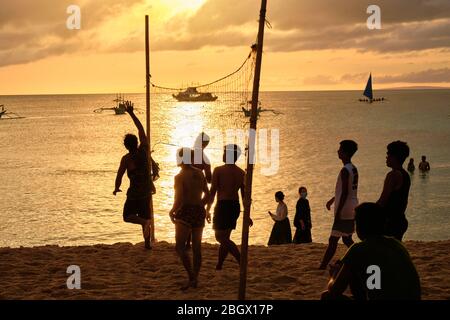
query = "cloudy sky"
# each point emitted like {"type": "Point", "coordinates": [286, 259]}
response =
{"type": "Point", "coordinates": [311, 45]}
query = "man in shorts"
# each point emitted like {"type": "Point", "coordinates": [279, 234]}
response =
{"type": "Point", "coordinates": [188, 213]}
{"type": "Point", "coordinates": [345, 201]}
{"type": "Point", "coordinates": [201, 162]}
{"type": "Point", "coordinates": [136, 163]}
{"type": "Point", "coordinates": [227, 181]}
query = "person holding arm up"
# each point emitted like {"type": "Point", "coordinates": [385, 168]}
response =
{"type": "Point", "coordinates": [136, 164]}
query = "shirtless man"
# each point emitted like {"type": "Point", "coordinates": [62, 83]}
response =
{"type": "Point", "coordinates": [204, 165]}
{"type": "Point", "coordinates": [137, 206]}
{"type": "Point", "coordinates": [424, 165]}
{"type": "Point", "coordinates": [227, 180]}
{"type": "Point", "coordinates": [394, 197]}
{"type": "Point", "coordinates": [188, 213]}
{"type": "Point", "coordinates": [201, 163]}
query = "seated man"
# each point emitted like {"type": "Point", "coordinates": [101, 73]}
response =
{"type": "Point", "coordinates": [378, 268]}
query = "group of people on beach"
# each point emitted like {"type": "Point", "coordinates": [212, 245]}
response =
{"type": "Point", "coordinates": [380, 225]}
{"type": "Point", "coordinates": [192, 194]}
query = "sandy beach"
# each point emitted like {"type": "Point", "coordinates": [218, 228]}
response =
{"type": "Point", "coordinates": [127, 271]}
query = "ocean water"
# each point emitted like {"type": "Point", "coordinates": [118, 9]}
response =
{"type": "Point", "coordinates": [58, 164]}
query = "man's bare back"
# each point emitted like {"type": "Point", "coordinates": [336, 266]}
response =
{"type": "Point", "coordinates": [228, 179]}
{"type": "Point", "coordinates": [191, 182]}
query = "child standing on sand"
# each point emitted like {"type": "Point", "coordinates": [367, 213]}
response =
{"type": "Point", "coordinates": [302, 220]}
{"type": "Point", "coordinates": [345, 201]}
{"type": "Point", "coordinates": [281, 231]}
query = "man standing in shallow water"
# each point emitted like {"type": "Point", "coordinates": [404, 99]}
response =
{"type": "Point", "coordinates": [424, 165]}
{"type": "Point", "coordinates": [137, 206]}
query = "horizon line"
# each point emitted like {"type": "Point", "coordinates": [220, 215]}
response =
{"type": "Point", "coordinates": [328, 90]}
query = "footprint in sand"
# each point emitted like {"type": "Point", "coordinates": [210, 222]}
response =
{"type": "Point", "coordinates": [284, 280]}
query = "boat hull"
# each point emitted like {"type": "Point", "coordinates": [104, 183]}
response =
{"type": "Point", "coordinates": [119, 111]}
{"type": "Point", "coordinates": [195, 99]}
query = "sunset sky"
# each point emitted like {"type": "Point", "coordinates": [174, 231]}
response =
{"type": "Point", "coordinates": [312, 45]}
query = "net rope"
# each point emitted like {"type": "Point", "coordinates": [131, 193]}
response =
{"type": "Point", "coordinates": [222, 99]}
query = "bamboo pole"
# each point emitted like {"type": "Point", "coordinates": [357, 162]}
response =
{"type": "Point", "coordinates": [147, 100]}
{"type": "Point", "coordinates": [251, 151]}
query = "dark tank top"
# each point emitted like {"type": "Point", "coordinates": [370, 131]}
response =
{"type": "Point", "coordinates": [140, 176]}
{"type": "Point", "coordinates": [398, 200]}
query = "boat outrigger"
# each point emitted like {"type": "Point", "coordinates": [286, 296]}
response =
{"type": "Point", "coordinates": [191, 94]}
{"type": "Point", "coordinates": [248, 112]}
{"type": "Point", "coordinates": [368, 92]}
{"type": "Point", "coordinates": [5, 114]}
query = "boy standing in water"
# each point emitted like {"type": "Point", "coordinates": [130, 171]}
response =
{"type": "Point", "coordinates": [424, 165]}
{"type": "Point", "coordinates": [345, 201]}
{"type": "Point", "coordinates": [411, 166]}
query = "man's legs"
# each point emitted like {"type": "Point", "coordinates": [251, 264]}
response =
{"type": "Point", "coordinates": [188, 242]}
{"type": "Point", "coordinates": [329, 253]}
{"type": "Point", "coordinates": [145, 223]}
{"type": "Point", "coordinates": [348, 241]}
{"type": "Point", "coordinates": [138, 212]}
{"type": "Point", "coordinates": [226, 245]}
{"type": "Point", "coordinates": [197, 234]}
{"type": "Point", "coordinates": [181, 233]}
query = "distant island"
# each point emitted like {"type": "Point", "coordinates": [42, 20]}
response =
{"type": "Point", "coordinates": [418, 88]}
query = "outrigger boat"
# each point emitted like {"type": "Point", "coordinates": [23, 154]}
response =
{"type": "Point", "coordinates": [120, 107]}
{"type": "Point", "coordinates": [368, 92]}
{"type": "Point", "coordinates": [248, 111]}
{"type": "Point", "coordinates": [191, 94]}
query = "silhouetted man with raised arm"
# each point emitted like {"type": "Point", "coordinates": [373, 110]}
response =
{"type": "Point", "coordinates": [137, 206]}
